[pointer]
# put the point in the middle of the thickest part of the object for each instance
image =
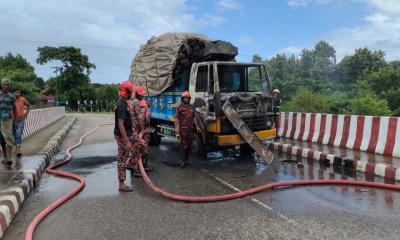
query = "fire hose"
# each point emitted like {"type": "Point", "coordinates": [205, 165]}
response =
{"type": "Point", "coordinates": [176, 197]}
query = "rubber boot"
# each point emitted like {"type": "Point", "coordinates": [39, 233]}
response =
{"type": "Point", "coordinates": [145, 163]}
{"type": "Point", "coordinates": [187, 161]}
{"type": "Point", "coordinates": [184, 156]}
{"type": "Point", "coordinates": [8, 158]}
{"type": "Point", "coordinates": [18, 151]}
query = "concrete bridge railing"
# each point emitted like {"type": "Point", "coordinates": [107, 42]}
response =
{"type": "Point", "coordinates": [40, 118]}
{"type": "Point", "coordinates": [366, 133]}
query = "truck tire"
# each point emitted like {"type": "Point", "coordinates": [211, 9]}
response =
{"type": "Point", "coordinates": [198, 147]}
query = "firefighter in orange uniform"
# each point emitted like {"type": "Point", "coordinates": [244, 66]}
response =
{"type": "Point", "coordinates": [184, 121]}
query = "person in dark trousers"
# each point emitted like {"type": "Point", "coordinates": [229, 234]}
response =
{"type": "Point", "coordinates": [19, 119]}
{"type": "Point", "coordinates": [185, 117]}
{"type": "Point", "coordinates": [276, 104]}
{"type": "Point", "coordinates": [123, 132]}
{"type": "Point", "coordinates": [3, 148]}
{"type": "Point", "coordinates": [7, 110]}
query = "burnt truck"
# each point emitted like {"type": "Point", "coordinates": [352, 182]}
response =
{"type": "Point", "coordinates": [233, 100]}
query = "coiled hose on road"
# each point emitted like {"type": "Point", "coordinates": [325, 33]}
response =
{"type": "Point", "coordinates": [176, 197]}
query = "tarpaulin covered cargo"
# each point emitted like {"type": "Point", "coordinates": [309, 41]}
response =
{"type": "Point", "coordinates": [162, 58]}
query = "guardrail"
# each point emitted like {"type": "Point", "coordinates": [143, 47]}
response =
{"type": "Point", "coordinates": [40, 118]}
{"type": "Point", "coordinates": [366, 133]}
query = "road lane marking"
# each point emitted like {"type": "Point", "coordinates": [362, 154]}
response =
{"type": "Point", "coordinates": [258, 202]}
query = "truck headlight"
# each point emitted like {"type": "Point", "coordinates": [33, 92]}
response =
{"type": "Point", "coordinates": [269, 123]}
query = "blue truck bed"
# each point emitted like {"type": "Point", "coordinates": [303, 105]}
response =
{"type": "Point", "coordinates": [163, 106]}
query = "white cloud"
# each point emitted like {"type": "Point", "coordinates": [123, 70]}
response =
{"type": "Point", "coordinates": [303, 3]}
{"type": "Point", "coordinates": [245, 39]}
{"type": "Point", "coordinates": [290, 50]}
{"type": "Point", "coordinates": [380, 31]}
{"type": "Point", "coordinates": [228, 4]}
{"type": "Point", "coordinates": [110, 32]}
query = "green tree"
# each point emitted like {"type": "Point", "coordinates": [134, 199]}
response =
{"type": "Point", "coordinates": [284, 73]}
{"type": "Point", "coordinates": [72, 75]}
{"type": "Point", "coordinates": [323, 65]}
{"type": "Point", "coordinates": [306, 100]}
{"type": "Point", "coordinates": [385, 84]}
{"type": "Point", "coordinates": [16, 68]}
{"type": "Point", "coordinates": [39, 83]}
{"type": "Point", "coordinates": [358, 66]}
{"type": "Point", "coordinates": [365, 102]}
{"type": "Point", "coordinates": [257, 59]}
{"type": "Point", "coordinates": [21, 74]}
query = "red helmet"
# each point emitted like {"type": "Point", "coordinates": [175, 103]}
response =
{"type": "Point", "coordinates": [125, 87]}
{"type": "Point", "coordinates": [141, 91]}
{"type": "Point", "coordinates": [186, 94]}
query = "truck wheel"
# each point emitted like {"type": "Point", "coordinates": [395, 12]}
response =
{"type": "Point", "coordinates": [155, 139]}
{"type": "Point", "coordinates": [198, 147]}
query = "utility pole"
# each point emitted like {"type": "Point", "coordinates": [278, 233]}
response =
{"type": "Point", "coordinates": [57, 69]}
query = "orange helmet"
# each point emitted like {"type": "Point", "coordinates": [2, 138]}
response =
{"type": "Point", "coordinates": [186, 94]}
{"type": "Point", "coordinates": [125, 87]}
{"type": "Point", "coordinates": [143, 104]}
{"type": "Point", "coordinates": [141, 91]}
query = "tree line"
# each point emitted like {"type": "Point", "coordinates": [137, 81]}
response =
{"type": "Point", "coordinates": [362, 83]}
{"type": "Point", "coordinates": [70, 83]}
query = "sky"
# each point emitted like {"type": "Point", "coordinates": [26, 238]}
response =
{"type": "Point", "coordinates": [111, 31]}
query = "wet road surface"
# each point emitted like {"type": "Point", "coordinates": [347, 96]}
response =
{"type": "Point", "coordinates": [101, 212]}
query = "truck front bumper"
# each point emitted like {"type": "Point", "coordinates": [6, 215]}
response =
{"type": "Point", "coordinates": [236, 139]}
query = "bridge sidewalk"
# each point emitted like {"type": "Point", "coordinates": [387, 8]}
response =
{"type": "Point", "coordinates": [10, 176]}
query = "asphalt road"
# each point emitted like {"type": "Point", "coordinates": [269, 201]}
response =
{"type": "Point", "coordinates": [101, 212]}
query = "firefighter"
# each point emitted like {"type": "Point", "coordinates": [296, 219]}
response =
{"type": "Point", "coordinates": [185, 117]}
{"type": "Point", "coordinates": [123, 132]}
{"type": "Point", "coordinates": [276, 104]}
{"type": "Point", "coordinates": [138, 124]}
{"type": "Point", "coordinates": [145, 111]}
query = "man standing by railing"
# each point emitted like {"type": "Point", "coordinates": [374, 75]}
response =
{"type": "Point", "coordinates": [7, 107]}
{"type": "Point", "coordinates": [20, 116]}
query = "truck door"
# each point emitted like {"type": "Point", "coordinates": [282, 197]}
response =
{"type": "Point", "coordinates": [199, 90]}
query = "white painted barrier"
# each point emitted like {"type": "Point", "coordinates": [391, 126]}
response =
{"type": "Point", "coordinates": [367, 133]}
{"type": "Point", "coordinates": [40, 118]}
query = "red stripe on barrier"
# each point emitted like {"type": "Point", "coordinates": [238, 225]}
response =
{"type": "Point", "coordinates": [374, 134]}
{"type": "Point", "coordinates": [370, 168]}
{"type": "Point", "coordinates": [285, 128]}
{"type": "Point", "coordinates": [310, 154]}
{"type": "Point", "coordinates": [302, 126]}
{"type": "Point", "coordinates": [293, 129]}
{"type": "Point", "coordinates": [3, 223]}
{"type": "Point", "coordinates": [322, 129]}
{"type": "Point", "coordinates": [289, 150]}
{"type": "Point", "coordinates": [333, 129]}
{"type": "Point", "coordinates": [299, 152]}
{"type": "Point", "coordinates": [320, 173]}
{"type": "Point", "coordinates": [312, 127]}
{"type": "Point", "coordinates": [310, 172]}
{"type": "Point", "coordinates": [322, 157]}
{"type": "Point", "coordinates": [390, 172]}
{"type": "Point", "coordinates": [346, 130]}
{"type": "Point", "coordinates": [359, 132]}
{"type": "Point", "coordinates": [280, 148]}
{"type": "Point", "coordinates": [391, 136]}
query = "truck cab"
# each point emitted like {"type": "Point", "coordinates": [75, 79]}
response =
{"type": "Point", "coordinates": [245, 85]}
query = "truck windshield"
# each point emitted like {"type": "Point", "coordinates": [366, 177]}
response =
{"type": "Point", "coordinates": [241, 78]}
